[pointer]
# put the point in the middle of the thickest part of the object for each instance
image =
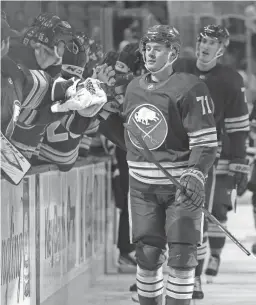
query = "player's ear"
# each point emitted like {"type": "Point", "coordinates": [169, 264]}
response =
{"type": "Point", "coordinates": [174, 53]}
{"type": "Point", "coordinates": [59, 50]}
{"type": "Point", "coordinates": [4, 46]}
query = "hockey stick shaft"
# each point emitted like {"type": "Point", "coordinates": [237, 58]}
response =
{"type": "Point", "coordinates": [150, 157]}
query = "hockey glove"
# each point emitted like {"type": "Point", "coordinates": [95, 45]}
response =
{"type": "Point", "coordinates": [88, 100]}
{"type": "Point", "coordinates": [116, 88]}
{"type": "Point", "coordinates": [193, 181]}
{"type": "Point", "coordinates": [110, 58]}
{"type": "Point", "coordinates": [105, 74]}
{"type": "Point", "coordinates": [239, 169]}
{"type": "Point", "coordinates": [95, 58]}
{"type": "Point", "coordinates": [75, 56]}
{"type": "Point", "coordinates": [128, 59]}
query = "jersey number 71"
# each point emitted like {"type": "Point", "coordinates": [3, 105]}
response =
{"type": "Point", "coordinates": [206, 109]}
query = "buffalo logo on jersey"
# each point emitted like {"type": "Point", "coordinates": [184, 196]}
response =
{"type": "Point", "coordinates": [150, 122]}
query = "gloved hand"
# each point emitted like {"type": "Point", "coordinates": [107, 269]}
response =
{"type": "Point", "coordinates": [239, 169]}
{"type": "Point", "coordinates": [75, 56]}
{"type": "Point", "coordinates": [95, 58]}
{"type": "Point", "coordinates": [129, 59]}
{"type": "Point", "coordinates": [88, 100]}
{"type": "Point", "coordinates": [117, 74]}
{"type": "Point", "coordinates": [193, 181]}
{"type": "Point", "coordinates": [105, 74]}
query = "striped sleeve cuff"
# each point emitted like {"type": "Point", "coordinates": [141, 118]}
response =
{"type": "Point", "coordinates": [203, 137]}
{"type": "Point", "coordinates": [237, 124]}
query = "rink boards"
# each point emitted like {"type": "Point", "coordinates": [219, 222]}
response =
{"type": "Point", "coordinates": [56, 227]}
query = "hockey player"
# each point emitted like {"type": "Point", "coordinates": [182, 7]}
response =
{"type": "Point", "coordinates": [43, 44]}
{"type": "Point", "coordinates": [41, 47]}
{"type": "Point", "coordinates": [60, 144]}
{"type": "Point", "coordinates": [7, 108]}
{"type": "Point", "coordinates": [173, 112]}
{"type": "Point", "coordinates": [24, 92]}
{"type": "Point", "coordinates": [231, 115]}
{"type": "Point", "coordinates": [36, 114]}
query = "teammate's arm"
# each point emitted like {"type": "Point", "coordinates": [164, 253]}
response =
{"type": "Point", "coordinates": [112, 128]}
{"type": "Point", "coordinates": [200, 125]}
{"type": "Point", "coordinates": [197, 113]}
{"type": "Point", "coordinates": [236, 123]}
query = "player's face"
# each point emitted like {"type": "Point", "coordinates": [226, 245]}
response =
{"type": "Point", "coordinates": [156, 55]}
{"type": "Point", "coordinates": [46, 57]}
{"type": "Point", "coordinates": [208, 48]}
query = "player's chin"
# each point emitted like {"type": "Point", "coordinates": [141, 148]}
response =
{"type": "Point", "coordinates": [205, 59]}
{"type": "Point", "coordinates": [152, 67]}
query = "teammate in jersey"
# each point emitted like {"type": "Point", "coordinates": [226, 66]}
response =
{"type": "Point", "coordinates": [165, 108]}
{"type": "Point", "coordinates": [40, 48]}
{"type": "Point", "coordinates": [231, 115]}
{"type": "Point", "coordinates": [61, 140]}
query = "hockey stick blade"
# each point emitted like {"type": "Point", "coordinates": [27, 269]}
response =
{"type": "Point", "coordinates": [13, 163]}
{"type": "Point", "coordinates": [150, 157]}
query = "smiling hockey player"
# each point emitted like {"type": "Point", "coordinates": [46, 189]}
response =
{"type": "Point", "coordinates": [174, 114]}
{"type": "Point", "coordinates": [231, 115]}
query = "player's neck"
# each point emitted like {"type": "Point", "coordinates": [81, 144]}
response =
{"type": "Point", "coordinates": [162, 75]}
{"type": "Point", "coordinates": [205, 66]}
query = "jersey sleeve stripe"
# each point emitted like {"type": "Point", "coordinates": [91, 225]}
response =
{"type": "Point", "coordinates": [230, 129]}
{"type": "Point", "coordinates": [69, 121]}
{"type": "Point", "coordinates": [40, 87]}
{"type": "Point", "coordinates": [209, 140]}
{"type": "Point", "coordinates": [49, 153]}
{"type": "Point", "coordinates": [201, 132]}
{"type": "Point", "coordinates": [237, 119]}
{"type": "Point", "coordinates": [203, 138]}
{"type": "Point", "coordinates": [204, 144]}
{"type": "Point", "coordinates": [222, 167]}
{"type": "Point", "coordinates": [32, 91]}
{"type": "Point", "coordinates": [31, 117]}
{"type": "Point", "coordinates": [238, 125]}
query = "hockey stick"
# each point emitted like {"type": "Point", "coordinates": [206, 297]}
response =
{"type": "Point", "coordinates": [13, 163]}
{"type": "Point", "coordinates": [150, 157]}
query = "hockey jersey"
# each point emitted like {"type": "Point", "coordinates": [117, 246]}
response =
{"type": "Point", "coordinates": [175, 119]}
{"type": "Point", "coordinates": [54, 138]}
{"type": "Point", "coordinates": [26, 98]}
{"type": "Point", "coordinates": [61, 141]}
{"type": "Point", "coordinates": [230, 106]}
